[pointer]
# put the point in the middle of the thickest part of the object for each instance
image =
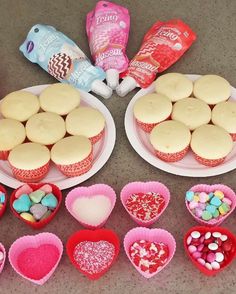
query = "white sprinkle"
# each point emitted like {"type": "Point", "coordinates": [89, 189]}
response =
{"type": "Point", "coordinates": [215, 265]}
{"type": "Point", "coordinates": [208, 266]}
{"type": "Point", "coordinates": [195, 234]}
{"type": "Point", "coordinates": [201, 261]}
{"type": "Point", "coordinates": [207, 235]}
{"type": "Point", "coordinates": [189, 239]}
{"type": "Point", "coordinates": [219, 257]}
{"type": "Point", "coordinates": [223, 238]}
{"type": "Point", "coordinates": [213, 246]}
{"type": "Point", "coordinates": [216, 234]}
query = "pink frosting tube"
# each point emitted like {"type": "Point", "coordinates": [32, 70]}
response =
{"type": "Point", "coordinates": [107, 29]}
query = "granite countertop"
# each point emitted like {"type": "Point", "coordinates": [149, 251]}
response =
{"type": "Point", "coordinates": [214, 52]}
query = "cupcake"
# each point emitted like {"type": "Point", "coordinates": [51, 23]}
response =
{"type": "Point", "coordinates": [19, 105]}
{"type": "Point", "coordinates": [86, 121]}
{"type": "Point", "coordinates": [224, 115]}
{"type": "Point", "coordinates": [192, 112]}
{"type": "Point", "coordinates": [73, 155]}
{"type": "Point", "coordinates": [175, 86]}
{"type": "Point", "coordinates": [212, 89]}
{"type": "Point", "coordinates": [59, 98]}
{"type": "Point", "coordinates": [45, 128]}
{"type": "Point", "coordinates": [151, 109]}
{"type": "Point", "coordinates": [211, 144]}
{"type": "Point", "coordinates": [170, 140]}
{"type": "Point", "coordinates": [12, 133]}
{"type": "Point", "coordinates": [29, 162]}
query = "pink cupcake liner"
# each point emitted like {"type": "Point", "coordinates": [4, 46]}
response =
{"type": "Point", "coordinates": [208, 162]}
{"type": "Point", "coordinates": [145, 126]}
{"type": "Point", "coordinates": [2, 248]}
{"type": "Point", "coordinates": [172, 157]}
{"type": "Point", "coordinates": [89, 192]}
{"type": "Point", "coordinates": [34, 241]}
{"type": "Point", "coordinates": [152, 235]}
{"type": "Point", "coordinates": [98, 137]}
{"type": "Point", "coordinates": [144, 187]}
{"type": "Point", "coordinates": [77, 169]}
{"type": "Point", "coordinates": [228, 192]}
{"type": "Point", "coordinates": [4, 155]}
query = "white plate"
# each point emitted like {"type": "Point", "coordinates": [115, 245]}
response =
{"type": "Point", "coordinates": [102, 149]}
{"type": "Point", "coordinates": [188, 166]}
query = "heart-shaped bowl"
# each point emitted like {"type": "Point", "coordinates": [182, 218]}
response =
{"type": "Point", "coordinates": [93, 236]}
{"type": "Point", "coordinates": [3, 250]}
{"type": "Point", "coordinates": [42, 223]}
{"type": "Point", "coordinates": [151, 235]}
{"type": "Point", "coordinates": [204, 229]}
{"type": "Point", "coordinates": [144, 187]}
{"type": "Point", "coordinates": [34, 244]}
{"type": "Point", "coordinates": [228, 192]}
{"type": "Point", "coordinates": [88, 193]}
{"type": "Point", "coordinates": [3, 209]}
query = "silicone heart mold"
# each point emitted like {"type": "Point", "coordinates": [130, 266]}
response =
{"type": "Point", "coordinates": [152, 235]}
{"type": "Point", "coordinates": [204, 229]}
{"type": "Point", "coordinates": [144, 187]}
{"type": "Point", "coordinates": [92, 236]}
{"type": "Point", "coordinates": [2, 210]}
{"type": "Point", "coordinates": [42, 223]}
{"type": "Point", "coordinates": [2, 249]}
{"type": "Point", "coordinates": [89, 201]}
{"type": "Point", "coordinates": [35, 258]}
{"type": "Point", "coordinates": [229, 193]}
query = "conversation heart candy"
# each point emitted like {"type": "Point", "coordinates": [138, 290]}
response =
{"type": "Point", "coordinates": [25, 189]}
{"type": "Point", "coordinates": [27, 216]}
{"type": "Point", "coordinates": [37, 195]}
{"type": "Point", "coordinates": [38, 210]}
{"type": "Point", "coordinates": [215, 201]}
{"type": "Point", "coordinates": [46, 188]}
{"type": "Point", "coordinates": [22, 204]}
{"type": "Point", "coordinates": [50, 201]}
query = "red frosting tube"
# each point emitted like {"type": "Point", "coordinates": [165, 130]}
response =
{"type": "Point", "coordinates": [162, 46]}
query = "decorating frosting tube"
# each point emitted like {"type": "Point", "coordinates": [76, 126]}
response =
{"type": "Point", "coordinates": [162, 46]}
{"type": "Point", "coordinates": [107, 29]}
{"type": "Point", "coordinates": [63, 59]}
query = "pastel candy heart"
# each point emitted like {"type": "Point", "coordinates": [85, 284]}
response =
{"type": "Point", "coordinates": [36, 196]}
{"type": "Point", "coordinates": [25, 189]}
{"type": "Point", "coordinates": [203, 197]}
{"type": "Point", "coordinates": [27, 216]}
{"type": "Point", "coordinates": [38, 210]}
{"type": "Point", "coordinates": [50, 201]}
{"type": "Point", "coordinates": [22, 204]}
{"type": "Point", "coordinates": [46, 188]}
{"type": "Point", "coordinates": [189, 195]}
{"type": "Point", "coordinates": [211, 208]}
{"type": "Point", "coordinates": [216, 201]}
{"type": "Point", "coordinates": [46, 215]}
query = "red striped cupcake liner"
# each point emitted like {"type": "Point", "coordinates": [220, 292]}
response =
{"type": "Point", "coordinates": [208, 162]}
{"type": "Point", "coordinates": [233, 136]}
{"type": "Point", "coordinates": [172, 157]}
{"type": "Point", "coordinates": [145, 126]}
{"type": "Point", "coordinates": [4, 155]}
{"type": "Point", "coordinates": [98, 137]}
{"type": "Point", "coordinates": [29, 176]}
{"type": "Point", "coordinates": [78, 168]}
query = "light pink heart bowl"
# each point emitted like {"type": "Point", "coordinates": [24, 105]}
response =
{"type": "Point", "coordinates": [2, 248]}
{"type": "Point", "coordinates": [90, 192]}
{"type": "Point", "coordinates": [228, 192]}
{"type": "Point", "coordinates": [144, 187]}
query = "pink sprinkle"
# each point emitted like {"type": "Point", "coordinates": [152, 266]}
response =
{"type": "Point", "coordinates": [192, 248]}
{"type": "Point", "coordinates": [211, 257]}
{"type": "Point", "coordinates": [196, 255]}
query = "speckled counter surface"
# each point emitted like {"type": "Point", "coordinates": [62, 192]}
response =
{"type": "Point", "coordinates": [214, 52]}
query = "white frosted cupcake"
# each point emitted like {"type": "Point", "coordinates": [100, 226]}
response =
{"type": "Point", "coordinates": [211, 144]}
{"type": "Point", "coordinates": [12, 133]}
{"type": "Point", "coordinates": [86, 121]}
{"type": "Point", "coordinates": [45, 128]}
{"type": "Point", "coordinates": [192, 112]}
{"type": "Point", "coordinates": [170, 140]}
{"type": "Point", "coordinates": [59, 98]}
{"type": "Point", "coordinates": [19, 105]}
{"type": "Point", "coordinates": [29, 162]}
{"type": "Point", "coordinates": [212, 89]}
{"type": "Point", "coordinates": [151, 109]}
{"type": "Point", "coordinates": [73, 155]}
{"type": "Point", "coordinates": [224, 115]}
{"type": "Point", "coordinates": [175, 86]}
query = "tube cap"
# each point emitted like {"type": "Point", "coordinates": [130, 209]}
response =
{"type": "Point", "coordinates": [101, 89]}
{"type": "Point", "coordinates": [126, 86]}
{"type": "Point", "coordinates": [112, 77]}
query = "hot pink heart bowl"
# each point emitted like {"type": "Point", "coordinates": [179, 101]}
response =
{"type": "Point", "coordinates": [2, 249]}
{"type": "Point", "coordinates": [144, 187]}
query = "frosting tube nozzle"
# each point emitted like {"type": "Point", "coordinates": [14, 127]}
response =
{"type": "Point", "coordinates": [126, 86]}
{"type": "Point", "coordinates": [112, 77]}
{"type": "Point", "coordinates": [99, 88]}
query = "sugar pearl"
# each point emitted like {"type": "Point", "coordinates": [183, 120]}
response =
{"type": "Point", "coordinates": [195, 234]}
{"type": "Point", "coordinates": [223, 238]}
{"type": "Point", "coordinates": [216, 234]}
{"type": "Point", "coordinates": [213, 246]}
{"type": "Point", "coordinates": [207, 235]}
{"type": "Point", "coordinates": [192, 248]}
{"type": "Point", "coordinates": [215, 265]}
{"type": "Point", "coordinates": [201, 261]}
{"type": "Point", "coordinates": [219, 257]}
{"type": "Point", "coordinates": [208, 266]}
{"type": "Point", "coordinates": [189, 239]}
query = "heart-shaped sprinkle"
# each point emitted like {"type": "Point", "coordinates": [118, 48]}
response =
{"type": "Point", "coordinates": [38, 210]}
{"type": "Point", "coordinates": [36, 196]}
{"type": "Point", "coordinates": [50, 201]}
{"type": "Point", "coordinates": [46, 188]}
{"type": "Point", "coordinates": [25, 189]}
{"type": "Point", "coordinates": [94, 257]}
{"type": "Point", "coordinates": [22, 204]}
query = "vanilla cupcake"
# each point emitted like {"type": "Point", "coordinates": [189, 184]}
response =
{"type": "Point", "coordinates": [192, 112]}
{"type": "Point", "coordinates": [175, 86]}
{"type": "Point", "coordinates": [170, 140]}
{"type": "Point", "coordinates": [29, 162]}
{"type": "Point", "coordinates": [211, 144]}
{"type": "Point", "coordinates": [19, 105]}
{"type": "Point", "coordinates": [12, 133]}
{"type": "Point", "coordinates": [151, 109]}
{"type": "Point", "coordinates": [59, 98]}
{"type": "Point", "coordinates": [45, 128]}
{"type": "Point", "coordinates": [224, 115]}
{"type": "Point", "coordinates": [212, 89]}
{"type": "Point", "coordinates": [73, 155]}
{"type": "Point", "coordinates": [86, 121]}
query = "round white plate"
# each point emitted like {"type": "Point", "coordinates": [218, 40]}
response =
{"type": "Point", "coordinates": [188, 166]}
{"type": "Point", "coordinates": [102, 149]}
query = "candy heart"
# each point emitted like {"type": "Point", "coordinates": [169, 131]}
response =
{"type": "Point", "coordinates": [37, 195]}
{"type": "Point", "coordinates": [46, 188]}
{"type": "Point", "coordinates": [50, 201]}
{"type": "Point", "coordinates": [91, 206]}
{"type": "Point", "coordinates": [100, 247]}
{"type": "Point", "coordinates": [46, 215]}
{"type": "Point", "coordinates": [25, 189]}
{"type": "Point", "coordinates": [22, 204]}
{"type": "Point", "coordinates": [149, 235]}
{"type": "Point", "coordinates": [3, 259]}
{"type": "Point", "coordinates": [38, 210]}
